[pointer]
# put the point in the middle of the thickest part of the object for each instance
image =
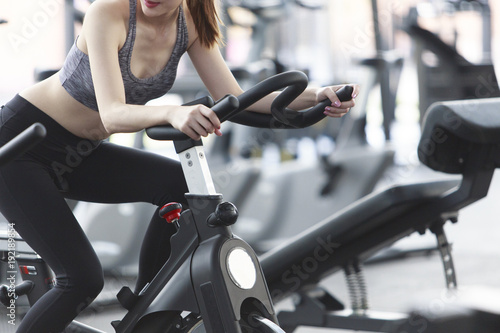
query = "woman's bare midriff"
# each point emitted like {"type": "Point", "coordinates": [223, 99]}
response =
{"type": "Point", "coordinates": [50, 97]}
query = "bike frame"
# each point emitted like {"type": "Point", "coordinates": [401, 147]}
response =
{"type": "Point", "coordinates": [203, 274]}
{"type": "Point", "coordinates": [198, 259]}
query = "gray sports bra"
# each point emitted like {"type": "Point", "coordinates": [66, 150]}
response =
{"type": "Point", "coordinates": [76, 78]}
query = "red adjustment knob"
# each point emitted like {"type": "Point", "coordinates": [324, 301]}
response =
{"type": "Point", "coordinates": [171, 212]}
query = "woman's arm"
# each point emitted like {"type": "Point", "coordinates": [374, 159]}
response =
{"type": "Point", "coordinates": [219, 80]}
{"type": "Point", "coordinates": [104, 32]}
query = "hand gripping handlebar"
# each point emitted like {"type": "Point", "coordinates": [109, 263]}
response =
{"type": "Point", "coordinates": [295, 83]}
{"type": "Point", "coordinates": [230, 107]}
{"type": "Point", "coordinates": [222, 108]}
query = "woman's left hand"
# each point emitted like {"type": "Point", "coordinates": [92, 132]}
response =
{"type": "Point", "coordinates": [337, 109]}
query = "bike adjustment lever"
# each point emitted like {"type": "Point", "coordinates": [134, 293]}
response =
{"type": "Point", "coordinates": [171, 212]}
{"type": "Point", "coordinates": [225, 214]}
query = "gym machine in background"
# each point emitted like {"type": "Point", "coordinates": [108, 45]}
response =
{"type": "Point", "coordinates": [443, 72]}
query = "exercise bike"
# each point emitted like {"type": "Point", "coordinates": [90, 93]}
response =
{"type": "Point", "coordinates": [458, 138]}
{"type": "Point", "coordinates": [212, 281]}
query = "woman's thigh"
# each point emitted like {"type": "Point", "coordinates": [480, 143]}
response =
{"type": "Point", "coordinates": [32, 202]}
{"type": "Point", "coordinates": [118, 174]}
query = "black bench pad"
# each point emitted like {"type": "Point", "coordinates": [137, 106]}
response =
{"type": "Point", "coordinates": [453, 130]}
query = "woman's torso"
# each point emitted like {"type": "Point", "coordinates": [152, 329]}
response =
{"type": "Point", "coordinates": [150, 55]}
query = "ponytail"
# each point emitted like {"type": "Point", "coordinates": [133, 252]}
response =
{"type": "Point", "coordinates": [206, 20]}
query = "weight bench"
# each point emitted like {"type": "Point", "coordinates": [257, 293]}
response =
{"type": "Point", "coordinates": [460, 137]}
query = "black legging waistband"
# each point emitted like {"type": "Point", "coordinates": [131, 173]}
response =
{"type": "Point", "coordinates": [31, 114]}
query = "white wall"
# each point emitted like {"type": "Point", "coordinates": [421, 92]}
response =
{"type": "Point", "coordinates": [32, 38]}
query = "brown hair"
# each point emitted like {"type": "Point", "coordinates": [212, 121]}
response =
{"type": "Point", "coordinates": [206, 19]}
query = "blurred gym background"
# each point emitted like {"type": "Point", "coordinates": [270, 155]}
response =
{"type": "Point", "coordinates": [404, 53]}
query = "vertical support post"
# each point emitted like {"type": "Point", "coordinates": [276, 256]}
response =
{"type": "Point", "coordinates": [486, 20]}
{"type": "Point", "coordinates": [196, 171]}
{"type": "Point", "coordinates": [69, 22]}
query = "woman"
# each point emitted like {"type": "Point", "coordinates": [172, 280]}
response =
{"type": "Point", "coordinates": [126, 54]}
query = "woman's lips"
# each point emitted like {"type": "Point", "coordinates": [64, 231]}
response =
{"type": "Point", "coordinates": [151, 4]}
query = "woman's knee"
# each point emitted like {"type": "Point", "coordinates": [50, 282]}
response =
{"type": "Point", "coordinates": [94, 284]}
{"type": "Point", "coordinates": [87, 283]}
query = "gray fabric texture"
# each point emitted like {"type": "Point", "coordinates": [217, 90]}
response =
{"type": "Point", "coordinates": [76, 78]}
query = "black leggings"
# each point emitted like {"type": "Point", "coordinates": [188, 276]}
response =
{"type": "Point", "coordinates": [33, 189]}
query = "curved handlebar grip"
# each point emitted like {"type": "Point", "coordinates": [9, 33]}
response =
{"type": "Point", "coordinates": [294, 82]}
{"type": "Point", "coordinates": [301, 119]}
{"type": "Point", "coordinates": [166, 132]}
{"type": "Point", "coordinates": [283, 118]}
{"type": "Point", "coordinates": [23, 142]}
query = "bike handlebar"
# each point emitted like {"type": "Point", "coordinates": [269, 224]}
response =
{"type": "Point", "coordinates": [230, 107]}
{"type": "Point", "coordinates": [305, 118]}
{"type": "Point", "coordinates": [23, 142]}
{"type": "Point", "coordinates": [281, 117]}
{"type": "Point", "coordinates": [222, 108]}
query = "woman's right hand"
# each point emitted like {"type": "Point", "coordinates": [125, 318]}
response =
{"type": "Point", "coordinates": [195, 121]}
